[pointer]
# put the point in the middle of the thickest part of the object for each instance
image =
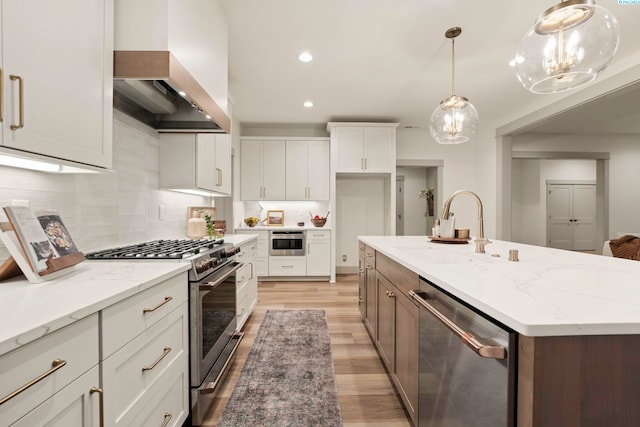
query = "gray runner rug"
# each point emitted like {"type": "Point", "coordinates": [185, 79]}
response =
{"type": "Point", "coordinates": [288, 378]}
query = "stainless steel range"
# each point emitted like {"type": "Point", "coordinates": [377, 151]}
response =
{"type": "Point", "coordinates": [212, 307]}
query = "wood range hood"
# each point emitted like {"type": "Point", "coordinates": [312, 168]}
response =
{"type": "Point", "coordinates": [153, 87]}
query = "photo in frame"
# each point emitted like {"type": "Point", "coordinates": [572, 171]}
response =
{"type": "Point", "coordinates": [275, 218]}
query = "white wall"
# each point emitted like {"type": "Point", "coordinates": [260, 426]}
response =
{"type": "Point", "coordinates": [108, 209]}
{"type": "Point", "coordinates": [529, 201]}
{"type": "Point", "coordinates": [624, 173]}
{"type": "Point", "coordinates": [463, 169]}
{"type": "Point", "coordinates": [361, 208]}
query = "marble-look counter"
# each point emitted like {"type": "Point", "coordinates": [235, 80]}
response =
{"type": "Point", "coordinates": [308, 227]}
{"type": "Point", "coordinates": [31, 310]}
{"type": "Point", "coordinates": [548, 292]}
{"type": "Point", "coordinates": [28, 311]}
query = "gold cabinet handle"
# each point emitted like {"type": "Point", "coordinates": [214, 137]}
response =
{"type": "Point", "coordinates": [20, 124]}
{"type": "Point", "coordinates": [167, 418]}
{"type": "Point", "coordinates": [101, 402]}
{"type": "Point", "coordinates": [218, 177]}
{"type": "Point", "coordinates": [151, 310]}
{"type": "Point", "coordinates": [55, 365]}
{"type": "Point", "coordinates": [158, 360]}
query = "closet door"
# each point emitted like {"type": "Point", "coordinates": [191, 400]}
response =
{"type": "Point", "coordinates": [571, 212]}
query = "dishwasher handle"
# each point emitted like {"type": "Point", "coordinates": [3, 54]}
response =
{"type": "Point", "coordinates": [482, 349]}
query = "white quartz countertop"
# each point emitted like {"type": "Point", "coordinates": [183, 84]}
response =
{"type": "Point", "coordinates": [308, 227]}
{"type": "Point", "coordinates": [29, 311]}
{"type": "Point", "coordinates": [548, 292]}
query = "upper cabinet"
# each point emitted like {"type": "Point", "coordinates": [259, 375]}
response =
{"type": "Point", "coordinates": [196, 162]}
{"type": "Point", "coordinates": [262, 169]}
{"type": "Point", "coordinates": [195, 32]}
{"type": "Point", "coordinates": [307, 170]}
{"type": "Point", "coordinates": [57, 73]}
{"type": "Point", "coordinates": [364, 147]}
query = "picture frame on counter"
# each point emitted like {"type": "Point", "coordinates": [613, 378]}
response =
{"type": "Point", "coordinates": [275, 218]}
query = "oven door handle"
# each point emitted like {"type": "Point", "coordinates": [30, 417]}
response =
{"type": "Point", "coordinates": [482, 349]}
{"type": "Point", "coordinates": [208, 286]}
{"type": "Point", "coordinates": [210, 383]}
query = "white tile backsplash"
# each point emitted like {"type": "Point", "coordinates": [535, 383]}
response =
{"type": "Point", "coordinates": [111, 208]}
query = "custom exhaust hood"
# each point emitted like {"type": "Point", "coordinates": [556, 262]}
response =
{"type": "Point", "coordinates": [153, 87]}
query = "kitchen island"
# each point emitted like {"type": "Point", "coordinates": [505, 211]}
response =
{"type": "Point", "coordinates": [577, 319]}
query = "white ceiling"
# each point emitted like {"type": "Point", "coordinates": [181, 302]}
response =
{"type": "Point", "coordinates": [383, 59]}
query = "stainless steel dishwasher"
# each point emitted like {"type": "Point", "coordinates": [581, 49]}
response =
{"type": "Point", "coordinates": [466, 364]}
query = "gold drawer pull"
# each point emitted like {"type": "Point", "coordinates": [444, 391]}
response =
{"type": "Point", "coordinates": [20, 124]}
{"type": "Point", "coordinates": [167, 418]}
{"type": "Point", "coordinates": [101, 395]}
{"type": "Point", "coordinates": [150, 310]}
{"type": "Point", "coordinates": [162, 356]}
{"type": "Point", "coordinates": [55, 365]}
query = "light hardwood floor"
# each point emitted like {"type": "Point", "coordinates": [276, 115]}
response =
{"type": "Point", "coordinates": [367, 397]}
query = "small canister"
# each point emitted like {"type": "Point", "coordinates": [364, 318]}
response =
{"type": "Point", "coordinates": [513, 255]}
{"type": "Point", "coordinates": [462, 233]}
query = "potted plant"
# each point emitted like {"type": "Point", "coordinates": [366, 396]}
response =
{"type": "Point", "coordinates": [428, 194]}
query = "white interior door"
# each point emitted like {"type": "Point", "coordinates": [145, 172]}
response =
{"type": "Point", "coordinates": [584, 217]}
{"type": "Point", "coordinates": [571, 211]}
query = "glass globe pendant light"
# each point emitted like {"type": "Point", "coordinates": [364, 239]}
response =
{"type": "Point", "coordinates": [456, 119]}
{"type": "Point", "coordinates": [569, 45]}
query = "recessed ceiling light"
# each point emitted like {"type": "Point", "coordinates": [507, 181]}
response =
{"type": "Point", "coordinates": [305, 57]}
{"type": "Point", "coordinates": [308, 104]}
{"type": "Point", "coordinates": [182, 93]}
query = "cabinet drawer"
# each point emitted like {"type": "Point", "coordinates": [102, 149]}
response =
{"type": "Point", "coordinates": [74, 405]}
{"type": "Point", "coordinates": [126, 319]}
{"type": "Point", "coordinates": [242, 274]}
{"type": "Point", "coordinates": [76, 345]}
{"type": "Point", "coordinates": [130, 372]}
{"type": "Point", "coordinates": [400, 276]}
{"type": "Point", "coordinates": [318, 235]}
{"type": "Point", "coordinates": [288, 266]}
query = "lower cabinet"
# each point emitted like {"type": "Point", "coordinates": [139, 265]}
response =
{"type": "Point", "coordinates": [75, 405]}
{"type": "Point", "coordinates": [49, 381]}
{"type": "Point", "coordinates": [261, 262]}
{"type": "Point", "coordinates": [318, 253]}
{"type": "Point", "coordinates": [246, 283]}
{"type": "Point", "coordinates": [371, 292]}
{"type": "Point", "coordinates": [393, 321]}
{"type": "Point", "coordinates": [138, 372]}
{"type": "Point", "coordinates": [287, 266]}
{"type": "Point", "coordinates": [361, 280]}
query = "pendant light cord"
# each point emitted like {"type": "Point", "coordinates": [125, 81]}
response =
{"type": "Point", "coordinates": [453, 67]}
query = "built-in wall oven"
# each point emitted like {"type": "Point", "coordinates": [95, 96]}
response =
{"type": "Point", "coordinates": [466, 364]}
{"type": "Point", "coordinates": [286, 243]}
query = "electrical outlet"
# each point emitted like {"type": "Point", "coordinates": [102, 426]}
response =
{"type": "Point", "coordinates": [344, 258]}
{"type": "Point", "coordinates": [162, 212]}
{"type": "Point", "coordinates": [16, 202]}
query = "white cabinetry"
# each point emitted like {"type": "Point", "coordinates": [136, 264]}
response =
{"type": "Point", "coordinates": [307, 170]}
{"type": "Point", "coordinates": [261, 260]}
{"type": "Point", "coordinates": [262, 170]}
{"type": "Point", "coordinates": [62, 396]}
{"type": "Point", "coordinates": [364, 147]}
{"type": "Point", "coordinates": [246, 282]}
{"type": "Point", "coordinates": [145, 342]}
{"type": "Point", "coordinates": [57, 73]}
{"type": "Point", "coordinates": [196, 161]}
{"type": "Point", "coordinates": [318, 253]}
{"type": "Point", "coordinates": [287, 266]}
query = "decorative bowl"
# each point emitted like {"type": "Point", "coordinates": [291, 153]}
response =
{"type": "Point", "coordinates": [319, 222]}
{"type": "Point", "coordinates": [252, 221]}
